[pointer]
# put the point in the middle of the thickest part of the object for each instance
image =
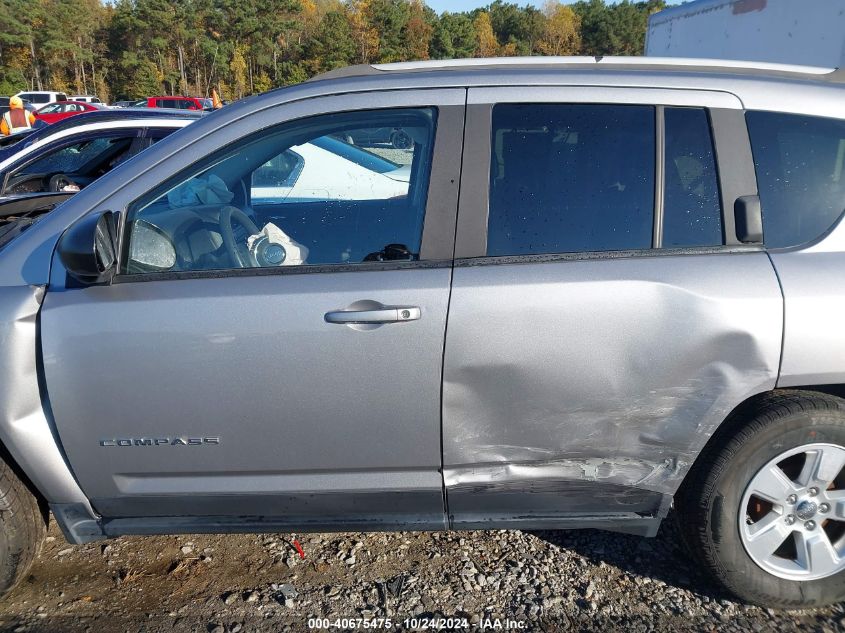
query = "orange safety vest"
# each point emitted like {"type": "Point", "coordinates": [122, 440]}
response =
{"type": "Point", "coordinates": [17, 120]}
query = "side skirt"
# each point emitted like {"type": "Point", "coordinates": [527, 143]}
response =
{"type": "Point", "coordinates": [78, 526]}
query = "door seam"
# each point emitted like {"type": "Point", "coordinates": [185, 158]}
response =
{"type": "Point", "coordinates": [447, 515]}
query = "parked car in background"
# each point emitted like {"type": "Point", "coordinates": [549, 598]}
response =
{"type": "Point", "coordinates": [327, 169]}
{"type": "Point", "coordinates": [10, 145]}
{"type": "Point", "coordinates": [53, 112]}
{"type": "Point", "coordinates": [181, 103]}
{"type": "Point", "coordinates": [41, 97]}
{"type": "Point", "coordinates": [394, 137]}
{"type": "Point", "coordinates": [86, 99]}
{"type": "Point", "coordinates": [74, 157]}
{"type": "Point", "coordinates": [6, 142]}
{"type": "Point", "coordinates": [137, 103]}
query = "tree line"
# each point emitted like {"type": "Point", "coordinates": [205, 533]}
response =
{"type": "Point", "coordinates": [128, 49]}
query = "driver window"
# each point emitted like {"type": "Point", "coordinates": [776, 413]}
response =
{"type": "Point", "coordinates": [342, 189]}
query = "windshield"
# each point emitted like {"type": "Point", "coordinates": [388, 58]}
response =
{"type": "Point", "coordinates": [73, 157]}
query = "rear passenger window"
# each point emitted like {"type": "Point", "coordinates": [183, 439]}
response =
{"type": "Point", "coordinates": [692, 212]}
{"type": "Point", "coordinates": [571, 178]}
{"type": "Point", "coordinates": [799, 162]}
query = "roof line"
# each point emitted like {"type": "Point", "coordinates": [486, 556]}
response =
{"type": "Point", "coordinates": [569, 63]}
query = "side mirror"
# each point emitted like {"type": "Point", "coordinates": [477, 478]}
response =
{"type": "Point", "coordinates": [88, 248]}
{"type": "Point", "coordinates": [748, 219]}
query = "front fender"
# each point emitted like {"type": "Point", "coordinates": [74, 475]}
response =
{"type": "Point", "coordinates": [26, 429]}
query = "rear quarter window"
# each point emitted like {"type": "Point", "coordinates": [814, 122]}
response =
{"type": "Point", "coordinates": [692, 211]}
{"type": "Point", "coordinates": [800, 164]}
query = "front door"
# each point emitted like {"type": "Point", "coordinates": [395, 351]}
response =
{"type": "Point", "coordinates": [284, 358]}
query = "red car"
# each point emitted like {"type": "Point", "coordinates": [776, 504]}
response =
{"type": "Point", "coordinates": [59, 110]}
{"type": "Point", "coordinates": [180, 103]}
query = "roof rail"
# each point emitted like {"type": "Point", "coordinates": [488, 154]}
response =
{"type": "Point", "coordinates": [648, 63]}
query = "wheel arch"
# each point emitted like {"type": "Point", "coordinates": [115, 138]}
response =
{"type": "Point", "coordinates": [745, 411]}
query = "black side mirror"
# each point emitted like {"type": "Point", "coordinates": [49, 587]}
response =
{"type": "Point", "coordinates": [88, 249]}
{"type": "Point", "coordinates": [748, 219]}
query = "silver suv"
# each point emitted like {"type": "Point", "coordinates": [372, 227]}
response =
{"type": "Point", "coordinates": [582, 292]}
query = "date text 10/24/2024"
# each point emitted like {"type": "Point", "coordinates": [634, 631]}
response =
{"type": "Point", "coordinates": [419, 623]}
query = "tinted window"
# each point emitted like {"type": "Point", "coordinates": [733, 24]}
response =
{"type": "Point", "coordinates": [36, 98]}
{"type": "Point", "coordinates": [155, 134]}
{"type": "Point", "coordinates": [692, 214]}
{"type": "Point", "coordinates": [799, 162]}
{"type": "Point", "coordinates": [569, 178]}
{"type": "Point", "coordinates": [286, 192]}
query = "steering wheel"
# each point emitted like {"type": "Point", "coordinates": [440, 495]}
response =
{"type": "Point", "coordinates": [58, 182]}
{"type": "Point", "coordinates": [239, 255]}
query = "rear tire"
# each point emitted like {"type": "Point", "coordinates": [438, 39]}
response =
{"type": "Point", "coordinates": [23, 526]}
{"type": "Point", "coordinates": [732, 512]}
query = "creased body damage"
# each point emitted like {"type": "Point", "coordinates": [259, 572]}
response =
{"type": "Point", "coordinates": [591, 386]}
{"type": "Point", "coordinates": [24, 428]}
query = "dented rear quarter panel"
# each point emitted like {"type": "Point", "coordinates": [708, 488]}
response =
{"type": "Point", "coordinates": [814, 302]}
{"type": "Point", "coordinates": [591, 385]}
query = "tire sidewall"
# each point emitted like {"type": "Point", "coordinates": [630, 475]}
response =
{"type": "Point", "coordinates": [739, 571]}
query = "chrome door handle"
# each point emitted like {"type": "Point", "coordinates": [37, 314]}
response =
{"type": "Point", "coordinates": [388, 314]}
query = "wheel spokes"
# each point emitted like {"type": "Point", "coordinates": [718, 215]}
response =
{"type": "Point", "coordinates": [766, 535]}
{"type": "Point", "coordinates": [828, 464]}
{"type": "Point", "coordinates": [836, 499]}
{"type": "Point", "coordinates": [815, 553]}
{"type": "Point", "coordinates": [772, 484]}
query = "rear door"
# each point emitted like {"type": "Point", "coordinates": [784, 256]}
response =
{"type": "Point", "coordinates": [603, 319]}
{"type": "Point", "coordinates": [309, 391]}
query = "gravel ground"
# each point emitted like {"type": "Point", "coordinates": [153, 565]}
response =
{"type": "Point", "coordinates": [538, 581]}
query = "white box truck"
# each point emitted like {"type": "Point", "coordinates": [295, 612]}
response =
{"type": "Point", "coordinates": [805, 32]}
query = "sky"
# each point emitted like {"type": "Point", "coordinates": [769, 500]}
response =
{"type": "Point", "coordinates": [468, 5]}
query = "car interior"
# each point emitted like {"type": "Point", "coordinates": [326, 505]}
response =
{"type": "Point", "coordinates": [211, 220]}
{"type": "Point", "coordinates": [70, 167]}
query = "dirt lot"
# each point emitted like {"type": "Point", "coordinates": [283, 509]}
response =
{"type": "Point", "coordinates": [537, 581]}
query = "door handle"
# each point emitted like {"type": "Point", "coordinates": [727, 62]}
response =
{"type": "Point", "coordinates": [388, 314]}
